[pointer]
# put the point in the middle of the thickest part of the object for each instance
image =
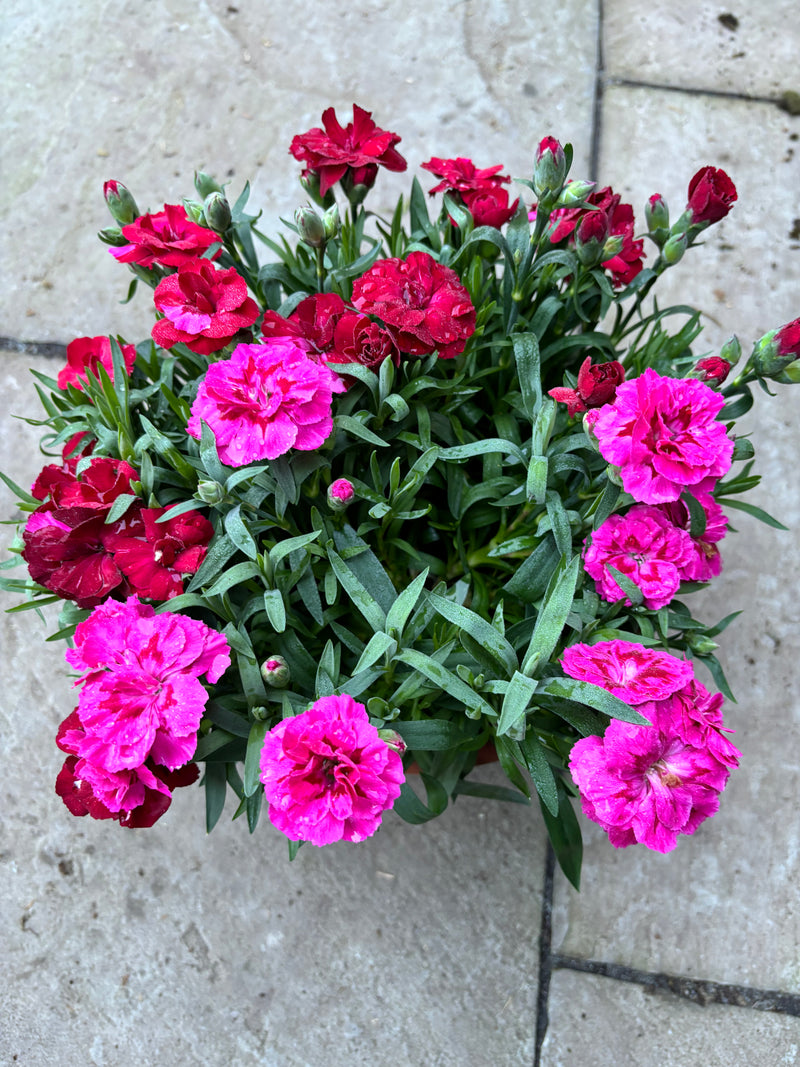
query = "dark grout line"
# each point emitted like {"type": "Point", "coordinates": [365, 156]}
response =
{"type": "Point", "coordinates": [50, 349]}
{"type": "Point", "coordinates": [597, 103]}
{"type": "Point", "coordinates": [633, 83]}
{"type": "Point", "coordinates": [697, 990]}
{"type": "Point", "coordinates": [545, 955]}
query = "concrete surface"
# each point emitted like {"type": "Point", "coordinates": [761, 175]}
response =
{"type": "Point", "coordinates": [420, 947]}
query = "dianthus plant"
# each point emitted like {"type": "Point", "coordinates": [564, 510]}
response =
{"type": "Point", "coordinates": [405, 491]}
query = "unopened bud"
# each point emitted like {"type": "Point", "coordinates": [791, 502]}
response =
{"type": "Point", "coordinates": [217, 212]}
{"type": "Point", "coordinates": [310, 227]}
{"type": "Point", "coordinates": [590, 236]}
{"type": "Point", "coordinates": [393, 740]}
{"type": "Point", "coordinates": [275, 672]}
{"type": "Point", "coordinates": [112, 236]}
{"type": "Point", "coordinates": [574, 193]}
{"type": "Point", "coordinates": [611, 248]}
{"type": "Point", "coordinates": [674, 249]}
{"type": "Point", "coordinates": [194, 211]}
{"type": "Point", "coordinates": [550, 169]}
{"type": "Point", "coordinates": [120, 202]}
{"type": "Point", "coordinates": [330, 222]}
{"type": "Point", "coordinates": [656, 213]}
{"type": "Point", "coordinates": [731, 351]}
{"type": "Point", "coordinates": [210, 492]}
{"type": "Point", "coordinates": [701, 644]}
{"type": "Point", "coordinates": [340, 494]}
{"type": "Point", "coordinates": [712, 369]}
{"type": "Point", "coordinates": [205, 184]}
{"type": "Point", "coordinates": [309, 180]}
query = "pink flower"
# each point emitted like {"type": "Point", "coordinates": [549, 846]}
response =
{"type": "Point", "coordinates": [648, 784]}
{"type": "Point", "coordinates": [355, 151]}
{"type": "Point", "coordinates": [711, 195]}
{"type": "Point", "coordinates": [265, 400]}
{"type": "Point", "coordinates": [327, 774]}
{"type": "Point", "coordinates": [168, 237]}
{"type": "Point", "coordinates": [706, 562]}
{"type": "Point", "coordinates": [645, 547]}
{"type": "Point", "coordinates": [423, 304]}
{"type": "Point", "coordinates": [597, 385]}
{"type": "Point", "coordinates": [663, 435]}
{"type": "Point", "coordinates": [340, 493]}
{"type": "Point", "coordinates": [85, 353]}
{"type": "Point", "coordinates": [141, 697]}
{"type": "Point", "coordinates": [203, 307]}
{"type": "Point", "coordinates": [628, 670]}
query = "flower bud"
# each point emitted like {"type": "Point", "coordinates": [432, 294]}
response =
{"type": "Point", "coordinates": [310, 227]}
{"type": "Point", "coordinates": [656, 213]}
{"type": "Point", "coordinates": [309, 180]}
{"type": "Point", "coordinates": [674, 249]}
{"type": "Point", "coordinates": [393, 740]}
{"type": "Point", "coordinates": [330, 222]}
{"type": "Point", "coordinates": [194, 211]}
{"type": "Point", "coordinates": [710, 196]}
{"type": "Point", "coordinates": [776, 350]}
{"type": "Point", "coordinates": [340, 494]}
{"type": "Point", "coordinates": [217, 212]}
{"type": "Point", "coordinates": [112, 236]}
{"type": "Point", "coordinates": [701, 644]}
{"type": "Point", "coordinates": [574, 193]}
{"type": "Point", "coordinates": [205, 184]}
{"type": "Point", "coordinates": [120, 202]}
{"type": "Point", "coordinates": [731, 351]}
{"type": "Point", "coordinates": [550, 168]}
{"type": "Point", "coordinates": [590, 236]}
{"type": "Point", "coordinates": [275, 672]}
{"type": "Point", "coordinates": [712, 369]}
{"type": "Point", "coordinates": [611, 248]}
{"type": "Point", "coordinates": [211, 493]}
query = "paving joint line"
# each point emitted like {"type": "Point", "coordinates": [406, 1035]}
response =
{"type": "Point", "coordinates": [597, 101]}
{"type": "Point", "coordinates": [725, 94]}
{"type": "Point", "coordinates": [699, 991]}
{"type": "Point", "coordinates": [49, 349]}
{"type": "Point", "coordinates": [545, 955]}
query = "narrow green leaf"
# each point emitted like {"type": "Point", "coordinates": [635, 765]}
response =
{"type": "Point", "coordinates": [412, 810]}
{"type": "Point", "coordinates": [357, 428]}
{"type": "Point", "coordinates": [216, 781]}
{"type": "Point", "coordinates": [275, 609]}
{"type": "Point", "coordinates": [430, 735]}
{"type": "Point", "coordinates": [536, 481]}
{"type": "Point", "coordinates": [398, 614]}
{"type": "Point", "coordinates": [526, 353]}
{"type": "Point", "coordinates": [480, 448]}
{"type": "Point", "coordinates": [594, 697]}
{"type": "Point", "coordinates": [252, 766]}
{"type": "Point", "coordinates": [121, 505]}
{"type": "Point", "coordinates": [368, 607]}
{"type": "Point", "coordinates": [446, 680]}
{"type": "Point", "coordinates": [751, 509]}
{"type": "Point", "coordinates": [553, 614]}
{"type": "Point", "coordinates": [239, 534]}
{"type": "Point", "coordinates": [515, 703]}
{"type": "Point", "coordinates": [241, 572]}
{"type": "Point", "coordinates": [628, 587]}
{"type": "Point", "coordinates": [467, 788]}
{"type": "Point", "coordinates": [480, 630]}
{"type": "Point", "coordinates": [565, 837]}
{"type": "Point", "coordinates": [379, 644]}
{"type": "Point", "coordinates": [541, 772]}
{"type": "Point", "coordinates": [291, 544]}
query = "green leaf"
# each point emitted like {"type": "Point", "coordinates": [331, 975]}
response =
{"type": "Point", "coordinates": [515, 703]}
{"type": "Point", "coordinates": [368, 607]}
{"type": "Point", "coordinates": [480, 448]}
{"type": "Point", "coordinates": [275, 609]}
{"type": "Point", "coordinates": [536, 481]}
{"type": "Point", "coordinates": [210, 742]}
{"type": "Point", "coordinates": [592, 696]}
{"type": "Point", "coordinates": [412, 810]}
{"type": "Point", "coordinates": [252, 767]}
{"type": "Point", "coordinates": [697, 515]}
{"type": "Point", "coordinates": [553, 614]}
{"type": "Point", "coordinates": [239, 534]}
{"type": "Point", "coordinates": [480, 630]}
{"type": "Point", "coordinates": [565, 837]}
{"type": "Point", "coordinates": [219, 552]}
{"type": "Point", "coordinates": [378, 645]}
{"type": "Point", "coordinates": [398, 614]}
{"type": "Point", "coordinates": [291, 544]}
{"type": "Point", "coordinates": [233, 576]}
{"type": "Point", "coordinates": [562, 532]}
{"type": "Point", "coordinates": [121, 505]}
{"type": "Point", "coordinates": [526, 353]}
{"type": "Point", "coordinates": [446, 680]}
{"type": "Point", "coordinates": [216, 780]}
{"type": "Point", "coordinates": [464, 787]}
{"type": "Point", "coordinates": [209, 456]}
{"type": "Point", "coordinates": [628, 587]}
{"type": "Point", "coordinates": [357, 428]}
{"type": "Point", "coordinates": [227, 719]}
{"type": "Point", "coordinates": [534, 573]}
{"type": "Point", "coordinates": [430, 735]}
{"type": "Point", "coordinates": [541, 772]}
{"type": "Point", "coordinates": [751, 509]}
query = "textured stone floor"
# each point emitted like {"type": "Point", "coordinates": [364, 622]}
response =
{"type": "Point", "coordinates": [453, 943]}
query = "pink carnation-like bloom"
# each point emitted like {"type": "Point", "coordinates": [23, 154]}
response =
{"type": "Point", "coordinates": [141, 697]}
{"type": "Point", "coordinates": [645, 547]}
{"type": "Point", "coordinates": [265, 400]}
{"type": "Point", "coordinates": [664, 436]}
{"type": "Point", "coordinates": [423, 304]}
{"type": "Point", "coordinates": [168, 237]}
{"type": "Point", "coordinates": [327, 774]}
{"type": "Point", "coordinates": [706, 562]}
{"type": "Point", "coordinates": [85, 353]}
{"type": "Point", "coordinates": [203, 307]}
{"type": "Point", "coordinates": [648, 784]}
{"type": "Point", "coordinates": [628, 670]}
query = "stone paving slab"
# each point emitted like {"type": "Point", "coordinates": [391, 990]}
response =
{"type": "Point", "coordinates": [167, 945]}
{"type": "Point", "coordinates": [723, 905]}
{"type": "Point", "coordinates": [748, 48]}
{"type": "Point", "coordinates": [168, 88]}
{"type": "Point", "coordinates": [596, 1021]}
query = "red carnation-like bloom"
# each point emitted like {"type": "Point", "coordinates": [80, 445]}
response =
{"type": "Point", "coordinates": [85, 353]}
{"type": "Point", "coordinates": [359, 149]}
{"type": "Point", "coordinates": [98, 486]}
{"type": "Point", "coordinates": [596, 385]}
{"type": "Point", "coordinates": [204, 307]}
{"type": "Point", "coordinates": [332, 333]}
{"type": "Point", "coordinates": [480, 190]}
{"type": "Point", "coordinates": [711, 195]}
{"type": "Point", "coordinates": [788, 339]}
{"type": "Point", "coordinates": [627, 263]}
{"type": "Point", "coordinates": [423, 304]}
{"type": "Point", "coordinates": [168, 237]}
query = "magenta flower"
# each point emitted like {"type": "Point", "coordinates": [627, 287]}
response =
{"type": "Point", "coordinates": [327, 774]}
{"type": "Point", "coordinates": [141, 697]}
{"type": "Point", "coordinates": [648, 784]}
{"type": "Point", "coordinates": [628, 670]}
{"type": "Point", "coordinates": [265, 400]}
{"type": "Point", "coordinates": [645, 547]}
{"type": "Point", "coordinates": [664, 436]}
{"type": "Point", "coordinates": [706, 562]}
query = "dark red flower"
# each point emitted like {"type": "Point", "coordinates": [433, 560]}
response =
{"type": "Point", "coordinates": [85, 353]}
{"type": "Point", "coordinates": [627, 263]}
{"type": "Point", "coordinates": [788, 339]}
{"type": "Point", "coordinates": [98, 486]}
{"type": "Point", "coordinates": [422, 304]}
{"type": "Point", "coordinates": [597, 385]}
{"type": "Point", "coordinates": [312, 321]}
{"type": "Point", "coordinates": [714, 369]}
{"type": "Point", "coordinates": [155, 556]}
{"type": "Point", "coordinates": [462, 176]}
{"type": "Point", "coordinates": [490, 206]}
{"type": "Point", "coordinates": [204, 307]}
{"type": "Point", "coordinates": [357, 150]}
{"type": "Point", "coordinates": [357, 339]}
{"type": "Point", "coordinates": [168, 237]}
{"type": "Point", "coordinates": [711, 195]}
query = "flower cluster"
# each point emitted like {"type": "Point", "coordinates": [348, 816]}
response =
{"type": "Point", "coordinates": [435, 485]}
